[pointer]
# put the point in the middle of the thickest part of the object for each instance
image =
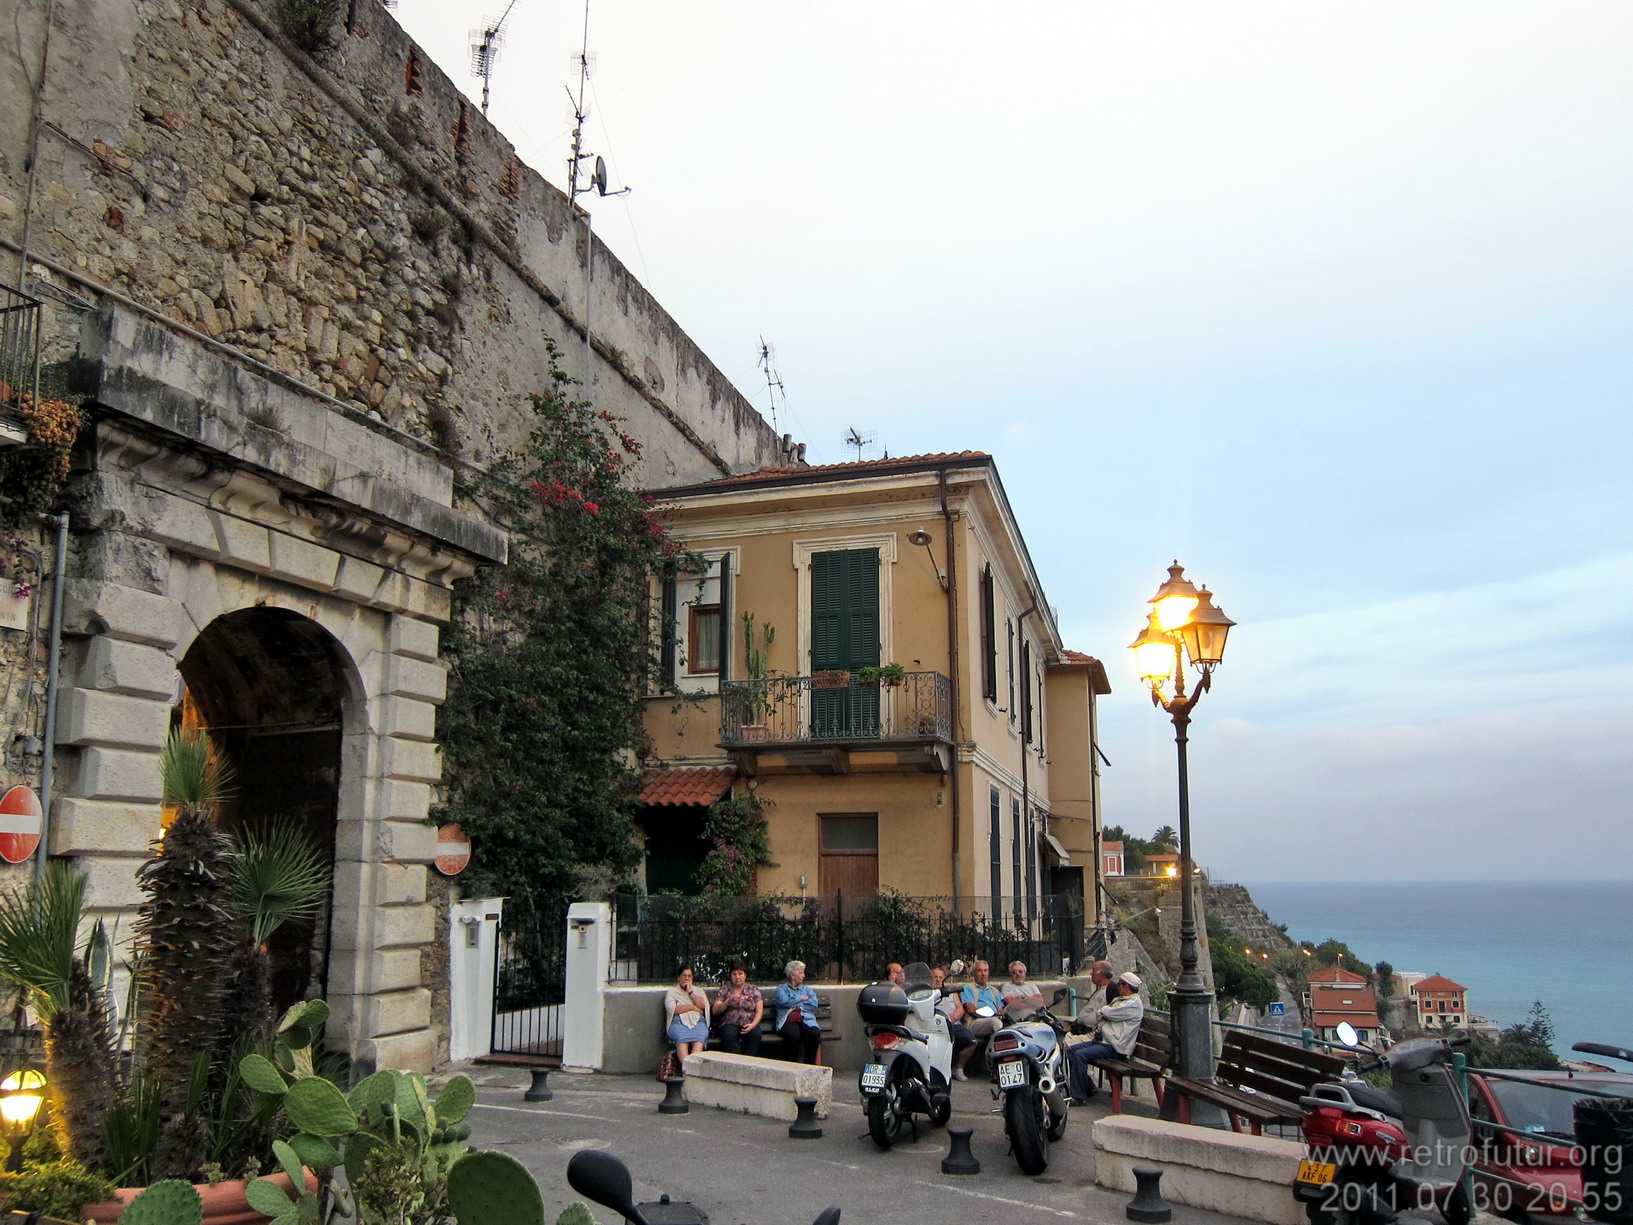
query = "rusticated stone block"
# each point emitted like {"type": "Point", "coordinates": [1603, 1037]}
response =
{"type": "Point", "coordinates": [118, 774]}
{"type": "Point", "coordinates": [88, 827]}
{"type": "Point", "coordinates": [127, 667]}
{"type": "Point", "coordinates": [92, 607]}
{"type": "Point", "coordinates": [94, 716]}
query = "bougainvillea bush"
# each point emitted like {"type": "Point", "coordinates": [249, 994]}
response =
{"type": "Point", "coordinates": [551, 656]}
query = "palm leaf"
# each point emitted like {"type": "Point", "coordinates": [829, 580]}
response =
{"type": "Point", "coordinates": [190, 773]}
{"type": "Point", "coordinates": [39, 928]}
{"type": "Point", "coordinates": [278, 875]}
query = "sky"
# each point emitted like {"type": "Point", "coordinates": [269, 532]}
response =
{"type": "Point", "coordinates": [1330, 301]}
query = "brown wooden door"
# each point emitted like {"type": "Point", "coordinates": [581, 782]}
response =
{"type": "Point", "coordinates": [849, 864]}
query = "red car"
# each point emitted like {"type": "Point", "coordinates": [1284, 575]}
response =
{"type": "Point", "coordinates": [1543, 1168]}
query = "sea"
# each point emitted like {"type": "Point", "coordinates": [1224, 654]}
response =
{"type": "Point", "coordinates": [1566, 943]}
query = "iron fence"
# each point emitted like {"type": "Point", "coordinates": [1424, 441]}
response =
{"type": "Point", "coordinates": [530, 976]}
{"type": "Point", "coordinates": [836, 707]}
{"type": "Point", "coordinates": [839, 939]}
{"type": "Point", "coordinates": [19, 346]}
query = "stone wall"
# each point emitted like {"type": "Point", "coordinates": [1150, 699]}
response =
{"type": "Point", "coordinates": [350, 220]}
{"type": "Point", "coordinates": [1236, 907]}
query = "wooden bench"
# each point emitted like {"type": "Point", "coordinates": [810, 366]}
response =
{"type": "Point", "coordinates": [1152, 1059]}
{"type": "Point", "coordinates": [770, 1040]}
{"type": "Point", "coordinates": [1258, 1080]}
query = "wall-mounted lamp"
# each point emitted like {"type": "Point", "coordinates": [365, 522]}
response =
{"type": "Point", "coordinates": [923, 538]}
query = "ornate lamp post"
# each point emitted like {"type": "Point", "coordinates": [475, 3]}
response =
{"type": "Point", "coordinates": [1184, 624]}
{"type": "Point", "coordinates": [21, 1095]}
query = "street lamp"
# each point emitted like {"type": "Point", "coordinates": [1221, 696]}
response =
{"type": "Point", "coordinates": [1184, 625]}
{"type": "Point", "coordinates": [21, 1095]}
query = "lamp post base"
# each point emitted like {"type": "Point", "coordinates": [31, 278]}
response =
{"type": "Point", "coordinates": [1191, 1013]}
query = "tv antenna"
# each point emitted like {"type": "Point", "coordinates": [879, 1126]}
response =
{"type": "Point", "coordinates": [773, 380]}
{"type": "Point", "coordinates": [859, 440]}
{"type": "Point", "coordinates": [598, 173]}
{"type": "Point", "coordinates": [485, 44]}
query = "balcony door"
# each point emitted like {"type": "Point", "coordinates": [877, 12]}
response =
{"type": "Point", "coordinates": [845, 637]}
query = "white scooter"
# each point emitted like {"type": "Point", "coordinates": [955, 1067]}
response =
{"type": "Point", "coordinates": [910, 1066]}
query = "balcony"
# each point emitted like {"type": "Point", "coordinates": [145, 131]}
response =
{"type": "Point", "coordinates": [832, 724]}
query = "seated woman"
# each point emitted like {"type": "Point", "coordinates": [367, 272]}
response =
{"type": "Point", "coordinates": [950, 1006]}
{"type": "Point", "coordinates": [796, 1017]}
{"type": "Point", "coordinates": [738, 1010]}
{"type": "Point", "coordinates": [685, 1013]}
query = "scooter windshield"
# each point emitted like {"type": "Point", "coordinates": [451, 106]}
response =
{"type": "Point", "coordinates": [918, 978]}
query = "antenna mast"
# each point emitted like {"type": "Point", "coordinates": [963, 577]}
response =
{"type": "Point", "coordinates": [773, 380]}
{"type": "Point", "coordinates": [859, 440]}
{"type": "Point", "coordinates": [485, 44]}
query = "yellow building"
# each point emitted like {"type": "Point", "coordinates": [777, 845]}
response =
{"type": "Point", "coordinates": [917, 722]}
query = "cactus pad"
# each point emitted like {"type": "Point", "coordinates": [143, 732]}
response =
{"type": "Point", "coordinates": [171, 1202]}
{"type": "Point", "coordinates": [317, 1107]}
{"type": "Point", "coordinates": [489, 1188]}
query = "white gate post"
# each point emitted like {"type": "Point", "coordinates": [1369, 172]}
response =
{"type": "Point", "coordinates": [473, 937]}
{"type": "Point", "coordinates": [589, 954]}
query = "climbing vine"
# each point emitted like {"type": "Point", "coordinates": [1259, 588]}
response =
{"type": "Point", "coordinates": [32, 476]}
{"type": "Point", "coordinates": [739, 841]}
{"type": "Point", "coordinates": [551, 656]}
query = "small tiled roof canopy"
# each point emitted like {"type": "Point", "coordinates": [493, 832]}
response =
{"type": "Point", "coordinates": [678, 786]}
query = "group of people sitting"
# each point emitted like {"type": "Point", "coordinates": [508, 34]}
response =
{"type": "Point", "coordinates": [736, 1011]}
{"type": "Point", "coordinates": [1110, 1019]}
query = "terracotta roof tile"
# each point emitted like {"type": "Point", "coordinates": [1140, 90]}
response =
{"type": "Point", "coordinates": [675, 786]}
{"type": "Point", "coordinates": [1437, 982]}
{"type": "Point", "coordinates": [1337, 974]}
{"type": "Point", "coordinates": [1076, 657]}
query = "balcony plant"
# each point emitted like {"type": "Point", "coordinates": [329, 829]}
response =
{"type": "Point", "coordinates": [888, 675]}
{"type": "Point", "coordinates": [756, 703]}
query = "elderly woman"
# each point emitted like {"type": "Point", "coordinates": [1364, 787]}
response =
{"type": "Point", "coordinates": [686, 1016]}
{"type": "Point", "coordinates": [796, 1018]}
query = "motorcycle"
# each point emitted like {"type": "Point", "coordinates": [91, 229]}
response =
{"type": "Point", "coordinates": [1028, 1064]}
{"type": "Point", "coordinates": [910, 1065]}
{"type": "Point", "coordinates": [1374, 1153]}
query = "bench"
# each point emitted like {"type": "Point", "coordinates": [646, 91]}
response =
{"type": "Point", "coordinates": [770, 1039]}
{"type": "Point", "coordinates": [1152, 1059]}
{"type": "Point", "coordinates": [1258, 1080]}
{"type": "Point", "coordinates": [754, 1084]}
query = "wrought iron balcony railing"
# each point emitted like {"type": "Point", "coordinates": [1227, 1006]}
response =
{"type": "Point", "coordinates": [19, 357]}
{"type": "Point", "coordinates": [835, 708]}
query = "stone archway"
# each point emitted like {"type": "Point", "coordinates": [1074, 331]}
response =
{"type": "Point", "coordinates": [271, 687]}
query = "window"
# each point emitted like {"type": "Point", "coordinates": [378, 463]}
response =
{"type": "Point", "coordinates": [995, 842]}
{"type": "Point", "coordinates": [989, 638]}
{"type": "Point", "coordinates": [1015, 846]}
{"type": "Point", "coordinates": [704, 635]}
{"type": "Point", "coordinates": [1031, 864]}
{"type": "Point", "coordinates": [698, 607]}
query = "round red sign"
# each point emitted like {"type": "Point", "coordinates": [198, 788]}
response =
{"type": "Point", "coordinates": [19, 824]}
{"type": "Point", "coordinates": [453, 850]}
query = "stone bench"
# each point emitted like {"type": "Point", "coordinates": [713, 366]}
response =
{"type": "Point", "coordinates": [1238, 1175]}
{"type": "Point", "coordinates": [753, 1084]}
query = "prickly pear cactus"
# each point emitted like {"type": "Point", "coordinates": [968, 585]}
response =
{"type": "Point", "coordinates": [575, 1214]}
{"type": "Point", "coordinates": [171, 1202]}
{"type": "Point", "coordinates": [489, 1188]}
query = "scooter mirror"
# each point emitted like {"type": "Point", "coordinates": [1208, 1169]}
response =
{"type": "Point", "coordinates": [1061, 993]}
{"type": "Point", "coordinates": [602, 1177]}
{"type": "Point", "coordinates": [830, 1216]}
{"type": "Point", "coordinates": [1347, 1034]}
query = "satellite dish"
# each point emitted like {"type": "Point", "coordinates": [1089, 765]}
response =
{"type": "Point", "coordinates": [599, 178]}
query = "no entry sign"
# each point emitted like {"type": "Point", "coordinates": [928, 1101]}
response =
{"type": "Point", "coordinates": [453, 850]}
{"type": "Point", "coordinates": [19, 824]}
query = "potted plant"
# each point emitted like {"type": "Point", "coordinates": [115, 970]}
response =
{"type": "Point", "coordinates": [831, 678]}
{"type": "Point", "coordinates": [889, 675]}
{"type": "Point", "coordinates": [756, 699]}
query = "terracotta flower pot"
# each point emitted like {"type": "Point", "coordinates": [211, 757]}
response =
{"type": "Point", "coordinates": [224, 1202]}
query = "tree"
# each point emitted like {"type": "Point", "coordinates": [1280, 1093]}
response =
{"type": "Point", "coordinates": [1525, 1045]}
{"type": "Point", "coordinates": [1386, 978]}
{"type": "Point", "coordinates": [552, 655]}
{"type": "Point", "coordinates": [1166, 837]}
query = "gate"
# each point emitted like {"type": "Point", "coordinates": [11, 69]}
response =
{"type": "Point", "coordinates": [529, 980]}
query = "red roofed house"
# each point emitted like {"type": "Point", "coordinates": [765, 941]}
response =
{"type": "Point", "coordinates": [1162, 864]}
{"type": "Point", "coordinates": [1334, 1003]}
{"type": "Point", "coordinates": [1441, 1002]}
{"type": "Point", "coordinates": [915, 720]}
{"type": "Point", "coordinates": [1111, 859]}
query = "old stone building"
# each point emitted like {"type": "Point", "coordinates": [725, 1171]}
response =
{"type": "Point", "coordinates": [296, 292]}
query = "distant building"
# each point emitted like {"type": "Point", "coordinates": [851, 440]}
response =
{"type": "Point", "coordinates": [1162, 865]}
{"type": "Point", "coordinates": [1111, 859]}
{"type": "Point", "coordinates": [1441, 1003]}
{"type": "Point", "coordinates": [1331, 1004]}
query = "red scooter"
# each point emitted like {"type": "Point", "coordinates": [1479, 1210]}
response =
{"type": "Point", "coordinates": [1375, 1153]}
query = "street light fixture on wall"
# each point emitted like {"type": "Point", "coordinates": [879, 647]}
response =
{"type": "Point", "coordinates": [1184, 625]}
{"type": "Point", "coordinates": [21, 1095]}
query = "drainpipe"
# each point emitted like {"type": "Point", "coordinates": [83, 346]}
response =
{"type": "Point", "coordinates": [953, 685]}
{"type": "Point", "coordinates": [51, 697]}
{"type": "Point", "coordinates": [1026, 727]}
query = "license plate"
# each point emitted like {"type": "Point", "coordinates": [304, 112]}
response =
{"type": "Point", "coordinates": [873, 1077]}
{"type": "Point", "coordinates": [1011, 1074]}
{"type": "Point", "coordinates": [1316, 1173]}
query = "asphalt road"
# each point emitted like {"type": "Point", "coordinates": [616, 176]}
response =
{"type": "Point", "coordinates": [745, 1170]}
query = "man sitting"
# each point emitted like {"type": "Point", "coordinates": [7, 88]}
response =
{"type": "Point", "coordinates": [1021, 998]}
{"type": "Point", "coordinates": [949, 1005]}
{"type": "Point", "coordinates": [1115, 1028]}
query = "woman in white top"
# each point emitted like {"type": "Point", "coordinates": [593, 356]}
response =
{"type": "Point", "coordinates": [686, 1015]}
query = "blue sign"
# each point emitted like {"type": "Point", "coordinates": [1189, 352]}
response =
{"type": "Point", "coordinates": [1278, 1009]}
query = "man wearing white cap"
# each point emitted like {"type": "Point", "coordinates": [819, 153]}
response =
{"type": "Point", "coordinates": [1116, 1028]}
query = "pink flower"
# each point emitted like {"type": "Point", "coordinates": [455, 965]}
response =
{"type": "Point", "coordinates": [592, 508]}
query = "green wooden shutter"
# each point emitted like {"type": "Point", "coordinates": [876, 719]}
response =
{"type": "Point", "coordinates": [845, 636]}
{"type": "Point", "coordinates": [726, 618]}
{"type": "Point", "coordinates": [989, 637]}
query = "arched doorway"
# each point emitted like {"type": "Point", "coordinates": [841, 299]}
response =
{"type": "Point", "coordinates": [270, 688]}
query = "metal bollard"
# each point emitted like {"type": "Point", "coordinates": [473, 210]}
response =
{"type": "Point", "coordinates": [959, 1159]}
{"type": "Point", "coordinates": [805, 1125]}
{"type": "Point", "coordinates": [1147, 1205]}
{"type": "Point", "coordinates": [674, 1101]}
{"type": "Point", "coordinates": [539, 1090]}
